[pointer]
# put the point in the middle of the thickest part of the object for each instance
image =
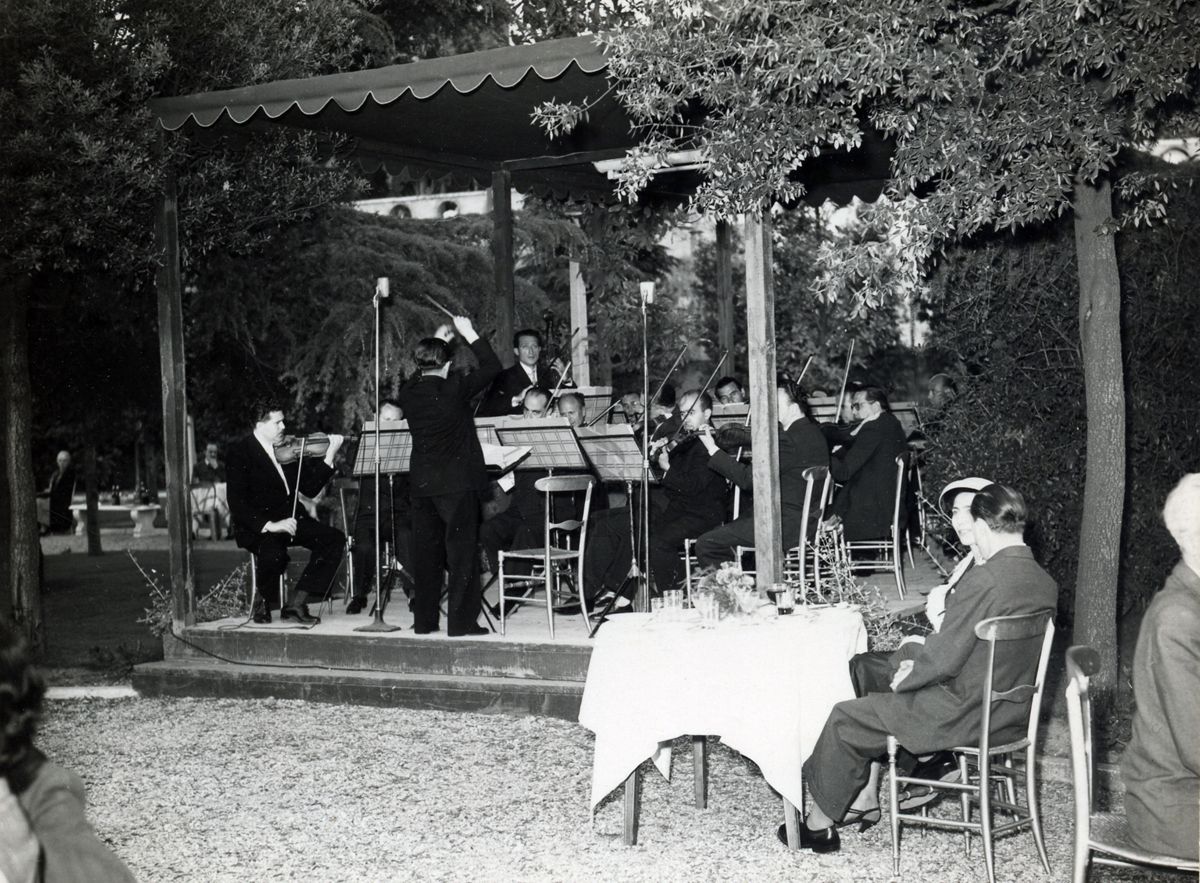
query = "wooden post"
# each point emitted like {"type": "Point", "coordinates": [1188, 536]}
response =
{"type": "Point", "coordinates": [725, 315]}
{"type": "Point", "coordinates": [502, 259]}
{"type": "Point", "coordinates": [764, 416]}
{"type": "Point", "coordinates": [580, 369]}
{"type": "Point", "coordinates": [174, 399]}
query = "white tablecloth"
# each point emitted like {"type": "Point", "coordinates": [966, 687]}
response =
{"type": "Point", "coordinates": [765, 688]}
{"type": "Point", "coordinates": [210, 496]}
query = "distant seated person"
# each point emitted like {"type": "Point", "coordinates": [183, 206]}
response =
{"type": "Point", "coordinates": [211, 469]}
{"type": "Point", "coordinates": [44, 830]}
{"type": "Point", "coordinates": [942, 391]}
{"type": "Point", "coordinates": [572, 406]}
{"type": "Point", "coordinates": [633, 407]}
{"type": "Point", "coordinates": [394, 523]}
{"type": "Point", "coordinates": [1161, 766]}
{"type": "Point", "coordinates": [267, 520]}
{"type": "Point", "coordinates": [730, 392]}
{"type": "Point", "coordinates": [866, 469]}
{"type": "Point", "coordinates": [61, 490]}
{"type": "Point", "coordinates": [508, 389]}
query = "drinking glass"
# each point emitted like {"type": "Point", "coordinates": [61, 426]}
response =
{"type": "Point", "coordinates": [785, 598]}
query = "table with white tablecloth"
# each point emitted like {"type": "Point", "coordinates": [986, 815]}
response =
{"type": "Point", "coordinates": [764, 685]}
{"type": "Point", "coordinates": [208, 499]}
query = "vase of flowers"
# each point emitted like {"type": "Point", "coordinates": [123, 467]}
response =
{"type": "Point", "coordinates": [732, 590]}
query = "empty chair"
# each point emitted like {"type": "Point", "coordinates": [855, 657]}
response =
{"type": "Point", "coordinates": [884, 551]}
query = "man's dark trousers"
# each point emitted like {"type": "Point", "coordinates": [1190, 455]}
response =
{"type": "Point", "coordinates": [271, 554]}
{"type": "Point", "coordinates": [449, 522]}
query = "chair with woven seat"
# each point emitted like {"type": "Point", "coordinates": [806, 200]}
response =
{"type": "Point", "coordinates": [1104, 833]}
{"type": "Point", "coordinates": [985, 766]}
{"type": "Point", "coordinates": [796, 559]}
{"type": "Point", "coordinates": [556, 561]}
{"type": "Point", "coordinates": [884, 551]}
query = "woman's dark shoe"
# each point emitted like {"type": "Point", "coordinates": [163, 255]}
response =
{"type": "Point", "coordinates": [824, 840]}
{"type": "Point", "coordinates": [356, 605]}
{"type": "Point", "coordinates": [864, 818]}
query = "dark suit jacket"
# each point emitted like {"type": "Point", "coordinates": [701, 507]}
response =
{"type": "Point", "coordinates": [256, 494]}
{"type": "Point", "coordinates": [867, 471]}
{"type": "Point", "coordinates": [939, 704]}
{"type": "Point", "coordinates": [692, 489]}
{"type": "Point", "coordinates": [801, 445]}
{"type": "Point", "coordinates": [509, 383]}
{"type": "Point", "coordinates": [446, 457]}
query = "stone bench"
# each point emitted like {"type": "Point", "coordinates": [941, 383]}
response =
{"type": "Point", "coordinates": [141, 516]}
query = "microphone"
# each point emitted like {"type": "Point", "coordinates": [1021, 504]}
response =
{"type": "Point", "coordinates": [381, 287]}
{"type": "Point", "coordinates": [647, 289]}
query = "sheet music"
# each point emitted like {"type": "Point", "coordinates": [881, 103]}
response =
{"type": "Point", "coordinates": [613, 452]}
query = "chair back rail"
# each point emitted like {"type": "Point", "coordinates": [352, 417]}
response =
{"type": "Point", "coordinates": [1013, 628]}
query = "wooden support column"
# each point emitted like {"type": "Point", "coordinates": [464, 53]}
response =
{"type": "Point", "coordinates": [174, 399]}
{"type": "Point", "coordinates": [580, 369]}
{"type": "Point", "coordinates": [502, 258]}
{"type": "Point", "coordinates": [764, 416]}
{"type": "Point", "coordinates": [725, 315]}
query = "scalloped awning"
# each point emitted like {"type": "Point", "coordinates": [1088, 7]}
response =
{"type": "Point", "coordinates": [466, 116]}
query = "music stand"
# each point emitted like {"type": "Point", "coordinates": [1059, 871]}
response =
{"type": "Point", "coordinates": [395, 448]}
{"type": "Point", "coordinates": [722, 414]}
{"type": "Point", "coordinates": [616, 456]}
{"type": "Point", "coordinates": [596, 399]}
{"type": "Point", "coordinates": [551, 441]}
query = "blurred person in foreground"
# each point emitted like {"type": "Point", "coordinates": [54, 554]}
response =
{"type": "Point", "coordinates": [1161, 766]}
{"type": "Point", "coordinates": [44, 832]}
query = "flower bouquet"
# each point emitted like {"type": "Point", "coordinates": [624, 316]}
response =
{"type": "Point", "coordinates": [732, 590]}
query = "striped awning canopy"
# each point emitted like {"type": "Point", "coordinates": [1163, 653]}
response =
{"type": "Point", "coordinates": [466, 116]}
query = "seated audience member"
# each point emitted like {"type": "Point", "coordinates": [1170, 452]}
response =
{"type": "Point", "coordinates": [571, 405]}
{"type": "Point", "coordinates": [694, 503]}
{"type": "Point", "coordinates": [933, 701]}
{"type": "Point", "coordinates": [801, 445]}
{"type": "Point", "coordinates": [395, 524]}
{"type": "Point", "coordinates": [61, 490]}
{"type": "Point", "coordinates": [866, 468]}
{"type": "Point", "coordinates": [729, 391]}
{"type": "Point", "coordinates": [211, 469]}
{"type": "Point", "coordinates": [509, 388]}
{"type": "Point", "coordinates": [44, 831]}
{"type": "Point", "coordinates": [1161, 766]}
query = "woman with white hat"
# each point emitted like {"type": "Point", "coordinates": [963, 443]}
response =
{"type": "Point", "coordinates": [957, 496]}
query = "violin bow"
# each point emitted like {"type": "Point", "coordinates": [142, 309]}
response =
{"type": "Point", "coordinates": [845, 376]}
{"type": "Point", "coordinates": [299, 469]}
{"type": "Point", "coordinates": [804, 370]}
{"type": "Point", "coordinates": [561, 379]}
{"type": "Point", "coordinates": [683, 417]}
{"type": "Point", "coordinates": [667, 377]}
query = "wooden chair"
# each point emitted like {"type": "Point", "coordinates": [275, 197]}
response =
{"type": "Point", "coordinates": [796, 559]}
{"type": "Point", "coordinates": [992, 764]}
{"type": "Point", "coordinates": [205, 512]}
{"type": "Point", "coordinates": [556, 561]}
{"type": "Point", "coordinates": [885, 551]}
{"type": "Point", "coordinates": [1103, 833]}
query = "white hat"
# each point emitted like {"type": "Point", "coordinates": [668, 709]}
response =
{"type": "Point", "coordinates": [973, 484]}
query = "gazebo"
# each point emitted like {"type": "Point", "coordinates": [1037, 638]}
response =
{"type": "Point", "coordinates": [469, 118]}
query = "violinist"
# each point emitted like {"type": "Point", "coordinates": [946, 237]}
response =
{"type": "Point", "coordinates": [801, 445]}
{"type": "Point", "coordinates": [730, 392]}
{"type": "Point", "coordinates": [695, 499]}
{"type": "Point", "coordinates": [263, 477]}
{"type": "Point", "coordinates": [572, 406]}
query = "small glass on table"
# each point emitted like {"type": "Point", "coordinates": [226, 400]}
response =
{"type": "Point", "coordinates": [784, 597]}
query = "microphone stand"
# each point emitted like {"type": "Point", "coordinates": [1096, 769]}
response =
{"type": "Point", "coordinates": [377, 624]}
{"type": "Point", "coordinates": [643, 586]}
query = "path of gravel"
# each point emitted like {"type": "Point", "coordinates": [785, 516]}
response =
{"type": "Point", "coordinates": [213, 790]}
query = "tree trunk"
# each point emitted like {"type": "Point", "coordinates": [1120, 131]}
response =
{"type": "Point", "coordinates": [91, 488]}
{"type": "Point", "coordinates": [24, 588]}
{"type": "Point", "coordinates": [1104, 385]}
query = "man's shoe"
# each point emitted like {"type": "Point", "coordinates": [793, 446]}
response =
{"type": "Point", "coordinates": [356, 605]}
{"type": "Point", "coordinates": [261, 616]}
{"type": "Point", "coordinates": [940, 765]}
{"type": "Point", "coordinates": [472, 632]}
{"type": "Point", "coordinates": [298, 614]}
{"type": "Point", "coordinates": [824, 840]}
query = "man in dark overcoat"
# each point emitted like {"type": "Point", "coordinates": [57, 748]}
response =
{"type": "Point", "coordinates": [936, 693]}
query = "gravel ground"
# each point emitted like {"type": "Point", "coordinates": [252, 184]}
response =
{"type": "Point", "coordinates": [193, 789]}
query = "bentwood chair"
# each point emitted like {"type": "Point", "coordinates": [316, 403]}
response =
{"type": "Point", "coordinates": [796, 560]}
{"type": "Point", "coordinates": [985, 768]}
{"type": "Point", "coordinates": [558, 561]}
{"type": "Point", "coordinates": [884, 551]}
{"type": "Point", "coordinates": [1104, 833]}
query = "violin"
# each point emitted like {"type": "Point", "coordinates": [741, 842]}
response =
{"type": "Point", "coordinates": [288, 449]}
